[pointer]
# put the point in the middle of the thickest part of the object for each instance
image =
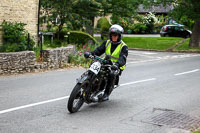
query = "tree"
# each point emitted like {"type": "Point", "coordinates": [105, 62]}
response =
{"type": "Point", "coordinates": [188, 8]}
{"type": "Point", "coordinates": [58, 13]}
{"type": "Point", "coordinates": [75, 14]}
{"type": "Point", "coordinates": [80, 14]}
{"type": "Point", "coordinates": [121, 8]}
{"type": "Point", "coordinates": [87, 10]}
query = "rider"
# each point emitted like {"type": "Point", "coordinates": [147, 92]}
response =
{"type": "Point", "coordinates": [118, 51]}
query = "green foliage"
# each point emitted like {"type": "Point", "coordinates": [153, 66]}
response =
{"type": "Point", "coordinates": [37, 53]}
{"type": "Point", "coordinates": [15, 37]}
{"type": "Point", "coordinates": [77, 57]}
{"type": "Point", "coordinates": [187, 8]}
{"type": "Point", "coordinates": [139, 28]}
{"type": "Point", "coordinates": [189, 23]}
{"type": "Point", "coordinates": [103, 24]}
{"type": "Point", "coordinates": [55, 44]}
{"type": "Point", "coordinates": [185, 47]}
{"type": "Point", "coordinates": [144, 24]}
{"type": "Point", "coordinates": [126, 23]}
{"type": "Point", "coordinates": [198, 131]}
{"type": "Point", "coordinates": [161, 21]}
{"type": "Point", "coordinates": [149, 20]}
{"type": "Point", "coordinates": [80, 14]}
{"type": "Point", "coordinates": [72, 14]}
{"type": "Point", "coordinates": [153, 43]}
{"type": "Point", "coordinates": [121, 8]}
{"type": "Point", "coordinates": [79, 38]}
{"type": "Point", "coordinates": [87, 10]}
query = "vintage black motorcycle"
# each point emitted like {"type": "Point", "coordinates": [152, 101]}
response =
{"type": "Point", "coordinates": [92, 83]}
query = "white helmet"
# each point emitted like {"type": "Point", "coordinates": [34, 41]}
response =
{"type": "Point", "coordinates": [117, 30]}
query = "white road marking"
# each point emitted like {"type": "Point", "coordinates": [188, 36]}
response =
{"type": "Point", "coordinates": [139, 53]}
{"type": "Point", "coordinates": [31, 105]}
{"type": "Point", "coordinates": [163, 58]}
{"type": "Point", "coordinates": [143, 54]}
{"type": "Point", "coordinates": [149, 53]}
{"type": "Point", "coordinates": [135, 82]}
{"type": "Point", "coordinates": [186, 72]}
{"type": "Point", "coordinates": [135, 62]}
{"type": "Point", "coordinates": [61, 98]}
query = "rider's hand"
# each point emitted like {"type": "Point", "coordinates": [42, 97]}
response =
{"type": "Point", "coordinates": [114, 67]}
{"type": "Point", "coordinates": [87, 54]}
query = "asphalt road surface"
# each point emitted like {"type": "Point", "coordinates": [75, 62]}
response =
{"type": "Point", "coordinates": [158, 93]}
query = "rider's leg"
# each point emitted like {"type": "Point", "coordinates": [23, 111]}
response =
{"type": "Point", "coordinates": [110, 86]}
{"type": "Point", "coordinates": [117, 78]}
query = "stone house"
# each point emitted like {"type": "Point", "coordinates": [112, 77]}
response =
{"type": "Point", "coordinates": [157, 10]}
{"type": "Point", "coordinates": [24, 11]}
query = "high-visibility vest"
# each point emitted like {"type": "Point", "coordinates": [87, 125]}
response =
{"type": "Point", "coordinates": [116, 52]}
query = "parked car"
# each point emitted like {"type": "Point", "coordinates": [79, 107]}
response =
{"type": "Point", "coordinates": [175, 31]}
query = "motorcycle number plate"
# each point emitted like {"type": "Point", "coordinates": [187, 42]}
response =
{"type": "Point", "coordinates": [95, 67]}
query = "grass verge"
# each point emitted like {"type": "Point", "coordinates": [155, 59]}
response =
{"type": "Point", "coordinates": [185, 47]}
{"type": "Point", "coordinates": [151, 43]}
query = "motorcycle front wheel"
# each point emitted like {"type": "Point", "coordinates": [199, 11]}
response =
{"type": "Point", "coordinates": [76, 99]}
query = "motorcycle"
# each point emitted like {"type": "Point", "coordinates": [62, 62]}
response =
{"type": "Point", "coordinates": [91, 83]}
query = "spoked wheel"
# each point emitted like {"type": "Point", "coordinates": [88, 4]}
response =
{"type": "Point", "coordinates": [76, 99]}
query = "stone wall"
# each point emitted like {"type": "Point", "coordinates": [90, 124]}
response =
{"type": "Point", "coordinates": [23, 62]}
{"type": "Point", "coordinates": [1, 39]}
{"type": "Point", "coordinates": [18, 62]}
{"type": "Point", "coordinates": [25, 11]}
{"type": "Point", "coordinates": [56, 58]}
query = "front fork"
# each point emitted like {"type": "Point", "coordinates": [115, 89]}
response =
{"type": "Point", "coordinates": [86, 80]}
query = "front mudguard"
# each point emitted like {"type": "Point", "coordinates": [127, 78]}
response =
{"type": "Point", "coordinates": [83, 77]}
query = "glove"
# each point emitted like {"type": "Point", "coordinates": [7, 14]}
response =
{"type": "Point", "coordinates": [87, 54]}
{"type": "Point", "coordinates": [114, 67]}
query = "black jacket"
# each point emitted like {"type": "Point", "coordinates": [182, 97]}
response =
{"type": "Point", "coordinates": [122, 57]}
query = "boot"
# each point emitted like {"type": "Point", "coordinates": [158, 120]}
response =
{"type": "Point", "coordinates": [105, 97]}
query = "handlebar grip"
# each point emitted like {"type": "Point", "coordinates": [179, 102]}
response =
{"type": "Point", "coordinates": [87, 54]}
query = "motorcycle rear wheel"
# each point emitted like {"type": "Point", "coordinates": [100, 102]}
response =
{"type": "Point", "coordinates": [76, 99]}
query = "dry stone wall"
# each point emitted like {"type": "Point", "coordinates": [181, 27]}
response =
{"type": "Point", "coordinates": [19, 62]}
{"type": "Point", "coordinates": [23, 62]}
{"type": "Point", "coordinates": [25, 11]}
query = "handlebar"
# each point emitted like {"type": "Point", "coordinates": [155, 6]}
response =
{"type": "Point", "coordinates": [89, 55]}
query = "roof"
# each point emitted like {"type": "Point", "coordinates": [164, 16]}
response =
{"type": "Point", "coordinates": [180, 25]}
{"type": "Point", "coordinates": [155, 9]}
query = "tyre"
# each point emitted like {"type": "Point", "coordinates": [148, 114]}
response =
{"type": "Point", "coordinates": [76, 99]}
{"type": "Point", "coordinates": [187, 36]}
{"type": "Point", "coordinates": [166, 35]}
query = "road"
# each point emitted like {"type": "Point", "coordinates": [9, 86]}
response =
{"type": "Point", "coordinates": [158, 93]}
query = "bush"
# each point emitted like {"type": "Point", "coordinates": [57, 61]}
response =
{"type": "Point", "coordinates": [77, 57]}
{"type": "Point", "coordinates": [189, 23]}
{"type": "Point", "coordinates": [104, 25]}
{"type": "Point", "coordinates": [139, 28]}
{"type": "Point", "coordinates": [79, 38]}
{"type": "Point", "coordinates": [55, 44]}
{"type": "Point", "coordinates": [126, 24]}
{"type": "Point", "coordinates": [15, 37]}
